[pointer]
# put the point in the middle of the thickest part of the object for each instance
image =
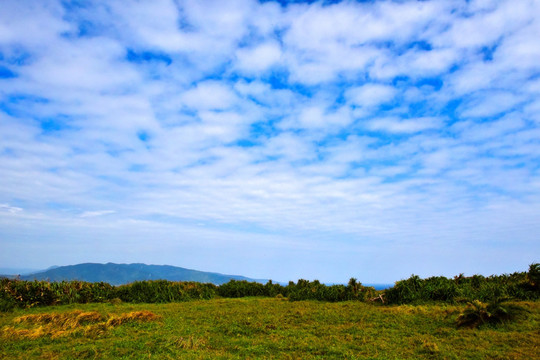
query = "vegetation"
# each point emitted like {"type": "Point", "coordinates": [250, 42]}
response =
{"type": "Point", "coordinates": [478, 313]}
{"type": "Point", "coordinates": [519, 285]}
{"type": "Point", "coordinates": [262, 328]}
{"type": "Point", "coordinates": [460, 289]}
{"type": "Point", "coordinates": [475, 317]}
{"type": "Point", "coordinates": [72, 323]}
{"type": "Point", "coordinates": [162, 291]}
{"type": "Point", "coordinates": [26, 294]}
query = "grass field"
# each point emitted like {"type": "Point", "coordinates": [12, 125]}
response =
{"type": "Point", "coordinates": [253, 328]}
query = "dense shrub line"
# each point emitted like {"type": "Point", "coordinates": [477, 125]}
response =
{"type": "Point", "coordinates": [519, 285]}
{"type": "Point", "coordinates": [24, 294]}
{"type": "Point", "coordinates": [302, 290]}
{"type": "Point", "coordinates": [17, 293]}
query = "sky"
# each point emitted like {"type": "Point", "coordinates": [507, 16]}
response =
{"type": "Point", "coordinates": [283, 140]}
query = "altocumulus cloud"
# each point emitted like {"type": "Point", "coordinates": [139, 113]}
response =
{"type": "Point", "coordinates": [273, 139]}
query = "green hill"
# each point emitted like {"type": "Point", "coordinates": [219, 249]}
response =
{"type": "Point", "coordinates": [118, 274]}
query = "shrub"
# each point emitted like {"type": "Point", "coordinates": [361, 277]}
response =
{"type": "Point", "coordinates": [156, 291]}
{"type": "Point", "coordinates": [243, 288]}
{"type": "Point", "coordinates": [405, 291]}
{"type": "Point", "coordinates": [7, 304]}
{"type": "Point", "coordinates": [519, 285]}
{"type": "Point", "coordinates": [478, 313]}
{"type": "Point", "coordinates": [533, 276]}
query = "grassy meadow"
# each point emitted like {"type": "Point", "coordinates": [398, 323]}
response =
{"type": "Point", "coordinates": [255, 327]}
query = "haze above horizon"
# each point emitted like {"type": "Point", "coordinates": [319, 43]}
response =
{"type": "Point", "coordinates": [316, 140]}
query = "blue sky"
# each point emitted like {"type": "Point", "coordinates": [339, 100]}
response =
{"type": "Point", "coordinates": [316, 140]}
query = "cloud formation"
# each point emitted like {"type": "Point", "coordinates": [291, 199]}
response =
{"type": "Point", "coordinates": [318, 140]}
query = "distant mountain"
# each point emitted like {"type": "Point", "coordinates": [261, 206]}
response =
{"type": "Point", "coordinates": [17, 271]}
{"type": "Point", "coordinates": [118, 274]}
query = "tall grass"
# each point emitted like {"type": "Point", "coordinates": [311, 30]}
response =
{"type": "Point", "coordinates": [25, 294]}
{"type": "Point", "coordinates": [519, 286]}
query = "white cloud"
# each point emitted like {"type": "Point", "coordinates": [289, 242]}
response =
{"type": "Point", "coordinates": [371, 95]}
{"type": "Point", "coordinates": [258, 59]}
{"type": "Point", "coordinates": [10, 209]}
{"type": "Point", "coordinates": [481, 29]}
{"type": "Point", "coordinates": [519, 49]}
{"type": "Point", "coordinates": [153, 24]}
{"type": "Point", "coordinates": [415, 63]}
{"type": "Point", "coordinates": [209, 95]}
{"type": "Point", "coordinates": [324, 43]}
{"type": "Point", "coordinates": [317, 118]}
{"type": "Point", "coordinates": [490, 103]}
{"type": "Point", "coordinates": [431, 62]}
{"type": "Point", "coordinates": [91, 214]}
{"type": "Point", "coordinates": [33, 24]}
{"type": "Point", "coordinates": [396, 125]}
{"type": "Point", "coordinates": [315, 26]}
{"type": "Point", "coordinates": [474, 131]}
{"type": "Point", "coordinates": [82, 64]}
{"type": "Point", "coordinates": [343, 131]}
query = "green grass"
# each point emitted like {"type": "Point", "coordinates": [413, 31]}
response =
{"type": "Point", "coordinates": [253, 328]}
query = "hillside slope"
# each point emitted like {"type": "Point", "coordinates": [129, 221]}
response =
{"type": "Point", "coordinates": [118, 274]}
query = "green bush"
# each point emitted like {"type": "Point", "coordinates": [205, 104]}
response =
{"type": "Point", "coordinates": [243, 288]}
{"type": "Point", "coordinates": [519, 286]}
{"type": "Point", "coordinates": [496, 311]}
{"type": "Point", "coordinates": [314, 290]}
{"type": "Point", "coordinates": [533, 276]}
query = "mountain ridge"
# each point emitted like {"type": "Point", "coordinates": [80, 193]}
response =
{"type": "Point", "coordinates": [119, 274]}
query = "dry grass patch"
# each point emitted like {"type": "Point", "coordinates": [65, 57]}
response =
{"type": "Point", "coordinates": [142, 316]}
{"type": "Point", "coordinates": [77, 322]}
{"type": "Point", "coordinates": [189, 343]}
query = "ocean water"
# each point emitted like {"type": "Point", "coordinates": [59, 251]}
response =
{"type": "Point", "coordinates": [380, 286]}
{"type": "Point", "coordinates": [376, 286]}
